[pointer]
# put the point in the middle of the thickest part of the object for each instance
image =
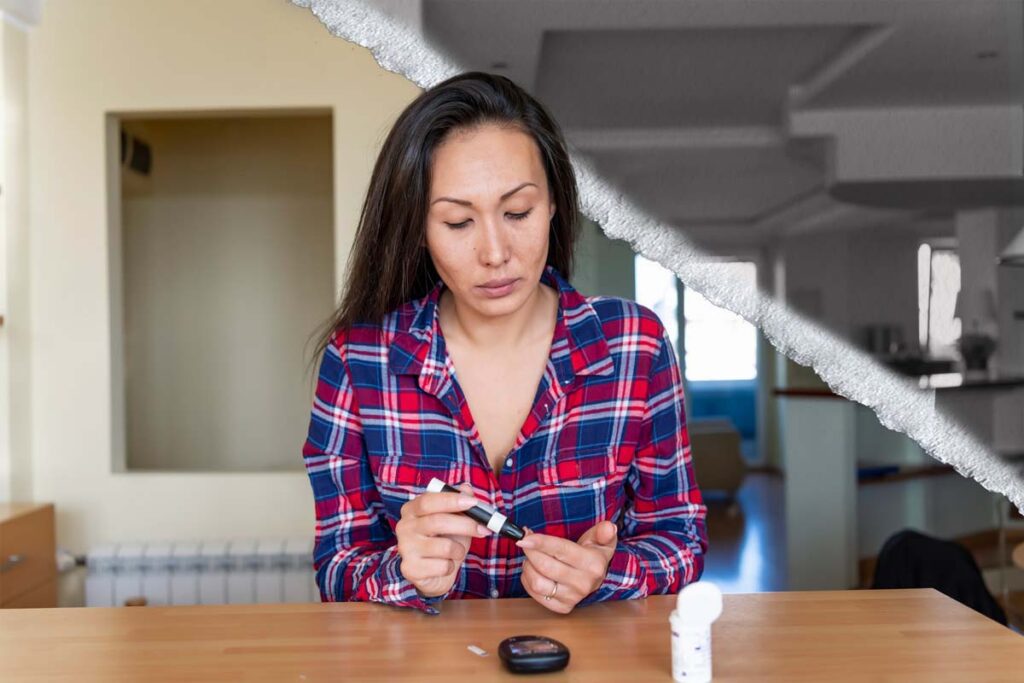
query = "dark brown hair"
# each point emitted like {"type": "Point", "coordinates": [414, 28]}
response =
{"type": "Point", "coordinates": [387, 265]}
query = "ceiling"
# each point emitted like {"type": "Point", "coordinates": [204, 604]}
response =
{"type": "Point", "coordinates": [678, 76]}
{"type": "Point", "coordinates": [688, 105]}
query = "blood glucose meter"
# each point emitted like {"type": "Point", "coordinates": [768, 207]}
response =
{"type": "Point", "coordinates": [533, 654]}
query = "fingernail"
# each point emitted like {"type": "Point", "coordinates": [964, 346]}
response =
{"type": "Point", "coordinates": [482, 530]}
{"type": "Point", "coordinates": [525, 543]}
{"type": "Point", "coordinates": [466, 501]}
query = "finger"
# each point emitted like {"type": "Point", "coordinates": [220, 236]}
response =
{"type": "Point", "coordinates": [539, 587]}
{"type": "Point", "coordinates": [562, 549]}
{"type": "Point", "coordinates": [463, 542]}
{"type": "Point", "coordinates": [467, 488]}
{"type": "Point", "coordinates": [555, 570]}
{"type": "Point", "coordinates": [590, 535]}
{"type": "Point", "coordinates": [431, 503]}
{"type": "Point", "coordinates": [602, 533]}
{"type": "Point", "coordinates": [442, 548]}
{"type": "Point", "coordinates": [427, 568]}
{"type": "Point", "coordinates": [537, 582]}
{"type": "Point", "coordinates": [448, 524]}
{"type": "Point", "coordinates": [608, 534]}
{"type": "Point", "coordinates": [533, 583]}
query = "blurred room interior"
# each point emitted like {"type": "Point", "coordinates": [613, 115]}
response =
{"type": "Point", "coordinates": [176, 215]}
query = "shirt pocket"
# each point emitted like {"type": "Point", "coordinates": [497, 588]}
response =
{"type": "Point", "coordinates": [579, 488]}
{"type": "Point", "coordinates": [577, 468]}
{"type": "Point", "coordinates": [400, 479]}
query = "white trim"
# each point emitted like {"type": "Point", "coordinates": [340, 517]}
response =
{"type": "Point", "coordinates": [496, 522]}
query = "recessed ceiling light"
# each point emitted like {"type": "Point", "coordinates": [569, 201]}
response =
{"type": "Point", "coordinates": [987, 54]}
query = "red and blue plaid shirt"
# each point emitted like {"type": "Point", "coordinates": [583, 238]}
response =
{"type": "Point", "coordinates": [606, 438]}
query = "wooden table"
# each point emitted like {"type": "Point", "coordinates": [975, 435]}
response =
{"type": "Point", "coordinates": [862, 636]}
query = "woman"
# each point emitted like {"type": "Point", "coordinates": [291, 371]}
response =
{"type": "Point", "coordinates": [461, 352]}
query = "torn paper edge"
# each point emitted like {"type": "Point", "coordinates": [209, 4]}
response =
{"type": "Point", "coordinates": [849, 372]}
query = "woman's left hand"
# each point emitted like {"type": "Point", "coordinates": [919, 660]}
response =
{"type": "Point", "coordinates": [579, 568]}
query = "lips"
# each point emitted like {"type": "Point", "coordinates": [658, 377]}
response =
{"type": "Point", "coordinates": [497, 284]}
{"type": "Point", "coordinates": [498, 288]}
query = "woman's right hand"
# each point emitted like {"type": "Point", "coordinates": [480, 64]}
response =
{"type": "Point", "coordinates": [434, 537]}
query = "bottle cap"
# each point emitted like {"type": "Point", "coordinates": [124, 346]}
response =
{"type": "Point", "coordinates": [699, 602]}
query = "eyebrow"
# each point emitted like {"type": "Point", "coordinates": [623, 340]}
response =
{"type": "Point", "coordinates": [466, 202]}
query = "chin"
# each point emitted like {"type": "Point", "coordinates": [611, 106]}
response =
{"type": "Point", "coordinates": [503, 306]}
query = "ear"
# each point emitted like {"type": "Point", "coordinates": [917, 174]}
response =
{"type": "Point", "coordinates": [551, 213]}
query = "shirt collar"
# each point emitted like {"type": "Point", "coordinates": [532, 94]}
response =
{"type": "Point", "coordinates": [578, 347]}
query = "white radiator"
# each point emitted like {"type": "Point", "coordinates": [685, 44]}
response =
{"type": "Point", "coordinates": [207, 573]}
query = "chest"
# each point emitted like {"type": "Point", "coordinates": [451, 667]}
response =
{"type": "Point", "coordinates": [578, 440]}
{"type": "Point", "coordinates": [500, 392]}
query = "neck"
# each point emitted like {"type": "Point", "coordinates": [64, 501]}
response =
{"type": "Point", "coordinates": [528, 323]}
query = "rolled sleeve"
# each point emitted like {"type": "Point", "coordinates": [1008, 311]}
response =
{"type": "Point", "coordinates": [663, 535]}
{"type": "Point", "coordinates": [355, 554]}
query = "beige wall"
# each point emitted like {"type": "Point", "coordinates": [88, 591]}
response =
{"type": "Point", "coordinates": [227, 254]}
{"type": "Point", "coordinates": [90, 58]}
{"type": "Point", "coordinates": [15, 335]}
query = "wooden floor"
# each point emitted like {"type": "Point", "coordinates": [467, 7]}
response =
{"type": "Point", "coordinates": [1014, 608]}
{"type": "Point", "coordinates": [988, 559]}
{"type": "Point", "coordinates": [747, 541]}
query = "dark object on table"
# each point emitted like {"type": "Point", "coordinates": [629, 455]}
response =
{"type": "Point", "coordinates": [910, 559]}
{"type": "Point", "coordinates": [875, 471]}
{"type": "Point", "coordinates": [533, 654]}
{"type": "Point", "coordinates": [915, 366]}
{"type": "Point", "coordinates": [975, 348]}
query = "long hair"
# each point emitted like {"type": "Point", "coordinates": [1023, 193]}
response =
{"type": "Point", "coordinates": [388, 264]}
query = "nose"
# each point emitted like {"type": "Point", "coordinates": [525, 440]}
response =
{"type": "Point", "coordinates": [494, 247]}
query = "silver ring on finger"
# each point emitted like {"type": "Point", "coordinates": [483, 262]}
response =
{"type": "Point", "coordinates": [553, 591]}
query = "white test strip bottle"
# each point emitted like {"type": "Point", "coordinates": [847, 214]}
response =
{"type": "Point", "coordinates": [697, 607]}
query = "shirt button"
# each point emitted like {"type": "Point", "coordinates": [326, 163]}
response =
{"type": "Point", "coordinates": [508, 463]}
{"type": "Point", "coordinates": [494, 592]}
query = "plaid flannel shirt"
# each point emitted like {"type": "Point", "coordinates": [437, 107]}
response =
{"type": "Point", "coordinates": [606, 439]}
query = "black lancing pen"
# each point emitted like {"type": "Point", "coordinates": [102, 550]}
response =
{"type": "Point", "coordinates": [489, 517]}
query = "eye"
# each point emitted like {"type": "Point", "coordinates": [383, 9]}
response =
{"type": "Point", "coordinates": [519, 216]}
{"type": "Point", "coordinates": [513, 216]}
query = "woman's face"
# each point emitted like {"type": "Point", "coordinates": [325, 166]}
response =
{"type": "Point", "coordinates": [489, 217]}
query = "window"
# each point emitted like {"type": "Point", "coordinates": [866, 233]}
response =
{"type": "Point", "coordinates": [938, 283]}
{"type": "Point", "coordinates": [656, 289]}
{"type": "Point", "coordinates": [720, 345]}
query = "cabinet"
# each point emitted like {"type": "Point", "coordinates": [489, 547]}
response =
{"type": "Point", "coordinates": [28, 566]}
